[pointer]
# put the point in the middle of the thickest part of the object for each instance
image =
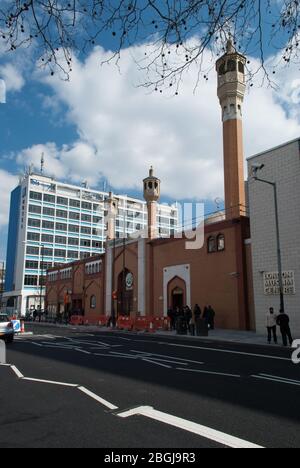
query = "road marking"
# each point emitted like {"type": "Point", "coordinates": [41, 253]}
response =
{"type": "Point", "coordinates": [203, 431]}
{"type": "Point", "coordinates": [277, 379]}
{"type": "Point", "coordinates": [228, 351]}
{"type": "Point", "coordinates": [82, 351]}
{"type": "Point", "coordinates": [97, 398]}
{"type": "Point", "coordinates": [281, 378]}
{"type": "Point", "coordinates": [62, 384]}
{"type": "Point", "coordinates": [167, 356]}
{"type": "Point", "coordinates": [17, 372]}
{"type": "Point", "coordinates": [208, 372]}
{"type": "Point", "coordinates": [156, 363]}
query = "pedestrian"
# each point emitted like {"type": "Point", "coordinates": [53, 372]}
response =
{"type": "Point", "coordinates": [197, 312]}
{"type": "Point", "coordinates": [271, 324]}
{"type": "Point", "coordinates": [188, 316]}
{"type": "Point", "coordinates": [283, 321]}
{"type": "Point", "coordinates": [206, 315]}
{"type": "Point", "coordinates": [35, 313]}
{"type": "Point", "coordinates": [211, 317]}
{"type": "Point", "coordinates": [171, 315]}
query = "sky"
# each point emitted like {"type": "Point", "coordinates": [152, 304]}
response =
{"type": "Point", "coordinates": [102, 127]}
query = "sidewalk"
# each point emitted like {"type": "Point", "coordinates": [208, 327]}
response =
{"type": "Point", "coordinates": [230, 336]}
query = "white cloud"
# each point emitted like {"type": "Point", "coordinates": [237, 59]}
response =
{"type": "Point", "coordinates": [122, 129]}
{"type": "Point", "coordinates": [181, 136]}
{"type": "Point", "coordinates": [7, 183]}
{"type": "Point", "coordinates": [12, 76]}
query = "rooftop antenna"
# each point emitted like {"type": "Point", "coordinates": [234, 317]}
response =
{"type": "Point", "coordinates": [42, 163]}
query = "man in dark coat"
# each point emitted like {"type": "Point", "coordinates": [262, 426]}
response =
{"type": "Point", "coordinates": [211, 317]}
{"type": "Point", "coordinates": [283, 321]}
{"type": "Point", "coordinates": [197, 312]}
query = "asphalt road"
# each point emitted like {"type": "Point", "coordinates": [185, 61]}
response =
{"type": "Point", "coordinates": [127, 390]}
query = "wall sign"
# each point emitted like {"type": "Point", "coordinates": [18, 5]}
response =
{"type": "Point", "coordinates": [271, 283]}
{"type": "Point", "coordinates": [129, 281]}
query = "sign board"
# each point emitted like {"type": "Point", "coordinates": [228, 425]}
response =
{"type": "Point", "coordinates": [17, 326]}
{"type": "Point", "coordinates": [271, 283]}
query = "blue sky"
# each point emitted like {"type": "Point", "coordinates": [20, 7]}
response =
{"type": "Point", "coordinates": [102, 126]}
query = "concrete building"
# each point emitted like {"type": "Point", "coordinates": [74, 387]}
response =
{"type": "Point", "coordinates": [53, 223]}
{"type": "Point", "coordinates": [280, 165]}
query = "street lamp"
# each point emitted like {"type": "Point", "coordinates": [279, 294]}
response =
{"type": "Point", "coordinates": [255, 169]}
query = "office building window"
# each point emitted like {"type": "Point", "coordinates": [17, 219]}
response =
{"type": "Point", "coordinates": [75, 203]}
{"type": "Point", "coordinates": [73, 228]}
{"type": "Point", "coordinates": [73, 254]}
{"type": "Point", "coordinates": [31, 265]}
{"type": "Point", "coordinates": [86, 206]}
{"type": "Point", "coordinates": [60, 253]}
{"type": "Point", "coordinates": [47, 238]}
{"type": "Point", "coordinates": [73, 215]}
{"type": "Point", "coordinates": [35, 196]}
{"type": "Point", "coordinates": [96, 244]}
{"type": "Point", "coordinates": [48, 211]}
{"type": "Point", "coordinates": [47, 252]}
{"type": "Point", "coordinates": [30, 250]}
{"type": "Point", "coordinates": [61, 214]}
{"type": "Point", "coordinates": [33, 236]}
{"type": "Point", "coordinates": [61, 227]}
{"type": "Point", "coordinates": [36, 223]}
{"type": "Point", "coordinates": [62, 201]}
{"type": "Point", "coordinates": [73, 241]}
{"type": "Point", "coordinates": [48, 225]}
{"type": "Point", "coordinates": [86, 218]}
{"type": "Point", "coordinates": [85, 230]}
{"type": "Point", "coordinates": [60, 240]}
{"type": "Point", "coordinates": [85, 243]}
{"type": "Point", "coordinates": [49, 198]}
{"type": "Point", "coordinates": [30, 280]}
{"type": "Point", "coordinates": [35, 209]}
{"type": "Point", "coordinates": [46, 265]}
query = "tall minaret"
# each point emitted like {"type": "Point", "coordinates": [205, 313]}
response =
{"type": "Point", "coordinates": [231, 92]}
{"type": "Point", "coordinates": [152, 195]}
{"type": "Point", "coordinates": [112, 211]}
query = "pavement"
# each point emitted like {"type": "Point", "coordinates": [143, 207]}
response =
{"type": "Point", "coordinates": [69, 387]}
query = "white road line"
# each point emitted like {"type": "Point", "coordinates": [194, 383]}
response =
{"type": "Point", "coordinates": [229, 351]}
{"type": "Point", "coordinates": [260, 377]}
{"type": "Point", "coordinates": [97, 398]}
{"type": "Point", "coordinates": [35, 344]}
{"type": "Point", "coordinates": [120, 356]}
{"type": "Point", "coordinates": [167, 356]}
{"type": "Point", "coordinates": [62, 384]}
{"type": "Point", "coordinates": [82, 351]}
{"type": "Point", "coordinates": [2, 364]}
{"type": "Point", "coordinates": [203, 431]}
{"type": "Point", "coordinates": [156, 363]}
{"type": "Point", "coordinates": [17, 372]}
{"type": "Point", "coordinates": [210, 373]}
{"type": "Point", "coordinates": [281, 378]}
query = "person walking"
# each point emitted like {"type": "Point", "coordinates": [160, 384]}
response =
{"type": "Point", "coordinates": [188, 316]}
{"type": "Point", "coordinates": [197, 312]}
{"type": "Point", "coordinates": [283, 321]}
{"type": "Point", "coordinates": [211, 317]}
{"type": "Point", "coordinates": [271, 324]}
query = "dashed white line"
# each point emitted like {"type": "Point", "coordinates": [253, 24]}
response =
{"type": "Point", "coordinates": [156, 363]}
{"type": "Point", "coordinates": [209, 372]}
{"type": "Point", "coordinates": [277, 380]}
{"type": "Point", "coordinates": [203, 431]}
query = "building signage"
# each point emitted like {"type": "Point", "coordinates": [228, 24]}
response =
{"type": "Point", "coordinates": [129, 281]}
{"type": "Point", "coordinates": [271, 283]}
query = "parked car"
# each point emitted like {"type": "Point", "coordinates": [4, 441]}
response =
{"type": "Point", "coordinates": [6, 329]}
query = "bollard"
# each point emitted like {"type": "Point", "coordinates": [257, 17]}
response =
{"type": "Point", "coordinates": [2, 352]}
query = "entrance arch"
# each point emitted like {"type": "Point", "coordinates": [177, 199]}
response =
{"type": "Point", "coordinates": [125, 293]}
{"type": "Point", "coordinates": [177, 293]}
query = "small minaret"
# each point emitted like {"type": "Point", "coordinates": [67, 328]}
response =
{"type": "Point", "coordinates": [112, 211]}
{"type": "Point", "coordinates": [152, 195]}
{"type": "Point", "coordinates": [231, 92]}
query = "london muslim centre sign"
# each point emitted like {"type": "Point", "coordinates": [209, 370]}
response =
{"type": "Point", "coordinates": [271, 283]}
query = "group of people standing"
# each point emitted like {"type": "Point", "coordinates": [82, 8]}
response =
{"type": "Point", "coordinates": [283, 322]}
{"type": "Point", "coordinates": [191, 317]}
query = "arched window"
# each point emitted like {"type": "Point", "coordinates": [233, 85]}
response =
{"type": "Point", "coordinates": [150, 185]}
{"type": "Point", "coordinates": [241, 67]}
{"type": "Point", "coordinates": [221, 242]}
{"type": "Point", "coordinates": [93, 302]}
{"type": "Point", "coordinates": [222, 69]}
{"type": "Point", "coordinates": [231, 66]}
{"type": "Point", "coordinates": [211, 244]}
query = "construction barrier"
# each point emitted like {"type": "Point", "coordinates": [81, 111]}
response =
{"type": "Point", "coordinates": [125, 323]}
{"type": "Point", "coordinates": [77, 320]}
{"type": "Point", "coordinates": [103, 320]}
{"type": "Point", "coordinates": [141, 323]}
{"type": "Point", "coordinates": [22, 326]}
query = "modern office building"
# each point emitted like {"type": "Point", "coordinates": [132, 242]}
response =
{"type": "Point", "coordinates": [280, 165]}
{"type": "Point", "coordinates": [53, 223]}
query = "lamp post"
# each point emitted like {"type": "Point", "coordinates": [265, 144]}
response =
{"type": "Point", "coordinates": [256, 169]}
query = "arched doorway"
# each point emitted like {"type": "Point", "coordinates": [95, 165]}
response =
{"type": "Point", "coordinates": [177, 293]}
{"type": "Point", "coordinates": [125, 292]}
